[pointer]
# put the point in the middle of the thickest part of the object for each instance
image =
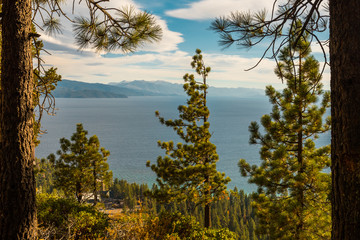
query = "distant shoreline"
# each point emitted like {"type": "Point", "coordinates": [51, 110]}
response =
{"type": "Point", "coordinates": [76, 89]}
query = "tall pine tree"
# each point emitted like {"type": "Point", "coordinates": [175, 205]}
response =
{"type": "Point", "coordinates": [292, 201]}
{"type": "Point", "coordinates": [188, 171]}
{"type": "Point", "coordinates": [106, 29]}
{"type": "Point", "coordinates": [344, 27]}
{"type": "Point", "coordinates": [81, 167]}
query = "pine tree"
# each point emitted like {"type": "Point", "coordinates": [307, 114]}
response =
{"type": "Point", "coordinates": [101, 176]}
{"type": "Point", "coordinates": [81, 167]}
{"type": "Point", "coordinates": [292, 201]}
{"type": "Point", "coordinates": [188, 171]}
{"type": "Point", "coordinates": [17, 182]}
{"type": "Point", "coordinates": [105, 29]}
{"type": "Point", "coordinates": [344, 27]}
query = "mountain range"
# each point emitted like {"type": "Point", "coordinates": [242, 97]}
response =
{"type": "Point", "coordinates": [76, 89]}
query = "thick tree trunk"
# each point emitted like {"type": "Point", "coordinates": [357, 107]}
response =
{"type": "Point", "coordinates": [17, 184]}
{"type": "Point", "coordinates": [345, 97]}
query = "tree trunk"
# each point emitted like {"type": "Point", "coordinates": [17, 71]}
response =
{"type": "Point", "coordinates": [207, 219]}
{"type": "Point", "coordinates": [17, 184]}
{"type": "Point", "coordinates": [300, 225]}
{"type": "Point", "coordinates": [95, 183]}
{"type": "Point", "coordinates": [345, 97]}
{"type": "Point", "coordinates": [79, 192]}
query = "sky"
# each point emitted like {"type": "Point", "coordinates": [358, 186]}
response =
{"type": "Point", "coordinates": [185, 25]}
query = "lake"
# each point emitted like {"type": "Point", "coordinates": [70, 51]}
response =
{"type": "Point", "coordinates": [128, 128]}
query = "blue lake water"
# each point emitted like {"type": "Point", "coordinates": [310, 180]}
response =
{"type": "Point", "coordinates": [128, 128]}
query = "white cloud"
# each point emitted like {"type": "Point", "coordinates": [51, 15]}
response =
{"type": "Point", "coordinates": [208, 9]}
{"type": "Point", "coordinates": [227, 70]}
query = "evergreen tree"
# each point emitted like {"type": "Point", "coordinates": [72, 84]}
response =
{"type": "Point", "coordinates": [105, 29]}
{"type": "Point", "coordinates": [188, 171]}
{"type": "Point", "coordinates": [250, 29]}
{"type": "Point", "coordinates": [81, 167]}
{"type": "Point", "coordinates": [17, 185]}
{"type": "Point", "coordinates": [101, 176]}
{"type": "Point", "coordinates": [292, 201]}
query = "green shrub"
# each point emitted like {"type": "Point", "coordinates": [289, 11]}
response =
{"type": "Point", "coordinates": [61, 218]}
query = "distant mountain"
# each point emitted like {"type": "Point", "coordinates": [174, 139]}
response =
{"type": "Point", "coordinates": [76, 89]}
{"type": "Point", "coordinates": [157, 88]}
{"type": "Point", "coordinates": [162, 88]}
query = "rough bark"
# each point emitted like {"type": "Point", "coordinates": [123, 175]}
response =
{"type": "Point", "coordinates": [345, 97]}
{"type": "Point", "coordinates": [17, 184]}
